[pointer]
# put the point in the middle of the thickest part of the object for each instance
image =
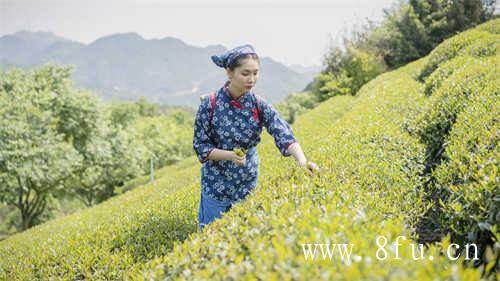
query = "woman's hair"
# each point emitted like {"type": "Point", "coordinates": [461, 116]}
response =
{"type": "Point", "coordinates": [237, 62]}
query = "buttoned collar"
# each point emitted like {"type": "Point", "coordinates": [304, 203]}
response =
{"type": "Point", "coordinates": [240, 99]}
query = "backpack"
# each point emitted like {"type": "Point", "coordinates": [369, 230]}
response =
{"type": "Point", "coordinates": [256, 113]}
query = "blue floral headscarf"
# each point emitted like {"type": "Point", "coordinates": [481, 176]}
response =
{"type": "Point", "coordinates": [225, 59]}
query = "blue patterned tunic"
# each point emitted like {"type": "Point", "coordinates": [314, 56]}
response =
{"type": "Point", "coordinates": [235, 124]}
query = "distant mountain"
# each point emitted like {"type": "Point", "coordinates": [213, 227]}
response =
{"type": "Point", "coordinates": [305, 69]}
{"type": "Point", "coordinates": [126, 66]}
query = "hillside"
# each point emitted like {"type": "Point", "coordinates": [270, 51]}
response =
{"type": "Point", "coordinates": [426, 130]}
{"type": "Point", "coordinates": [126, 66]}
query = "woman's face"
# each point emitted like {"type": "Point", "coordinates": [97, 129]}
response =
{"type": "Point", "coordinates": [244, 77]}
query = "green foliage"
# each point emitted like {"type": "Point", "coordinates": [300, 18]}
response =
{"type": "Point", "coordinates": [296, 104]}
{"type": "Point", "coordinates": [372, 182]}
{"type": "Point", "coordinates": [440, 75]}
{"type": "Point", "coordinates": [473, 42]}
{"type": "Point", "coordinates": [469, 174]}
{"type": "Point", "coordinates": [449, 100]}
{"type": "Point", "coordinates": [90, 148]}
{"type": "Point", "coordinates": [35, 161]}
{"type": "Point", "coordinates": [491, 26]}
{"type": "Point", "coordinates": [370, 171]}
{"type": "Point", "coordinates": [126, 162]}
{"type": "Point", "coordinates": [346, 72]}
{"type": "Point", "coordinates": [459, 127]}
{"type": "Point", "coordinates": [404, 37]}
{"type": "Point", "coordinates": [453, 81]}
{"type": "Point", "coordinates": [412, 29]}
{"type": "Point", "coordinates": [328, 85]}
{"type": "Point", "coordinates": [162, 134]}
{"type": "Point", "coordinates": [363, 152]}
{"type": "Point", "coordinates": [444, 18]}
{"type": "Point", "coordinates": [112, 240]}
{"type": "Point", "coordinates": [122, 115]}
{"type": "Point", "coordinates": [147, 109]}
{"type": "Point", "coordinates": [167, 139]}
{"type": "Point", "coordinates": [408, 32]}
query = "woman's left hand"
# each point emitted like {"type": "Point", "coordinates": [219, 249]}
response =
{"type": "Point", "coordinates": [310, 167]}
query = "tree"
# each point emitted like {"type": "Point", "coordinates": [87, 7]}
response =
{"type": "Point", "coordinates": [109, 153]}
{"type": "Point", "coordinates": [346, 72]}
{"type": "Point", "coordinates": [412, 30]}
{"type": "Point", "coordinates": [145, 108]}
{"type": "Point", "coordinates": [442, 19]}
{"type": "Point", "coordinates": [35, 161]}
{"type": "Point", "coordinates": [401, 38]}
{"type": "Point", "coordinates": [56, 142]}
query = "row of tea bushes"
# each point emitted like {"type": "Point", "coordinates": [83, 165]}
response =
{"type": "Point", "coordinates": [480, 41]}
{"type": "Point", "coordinates": [370, 174]}
{"type": "Point", "coordinates": [112, 242]}
{"type": "Point", "coordinates": [467, 77]}
{"type": "Point", "coordinates": [469, 176]}
{"type": "Point", "coordinates": [372, 183]}
{"type": "Point", "coordinates": [460, 128]}
{"type": "Point", "coordinates": [112, 239]}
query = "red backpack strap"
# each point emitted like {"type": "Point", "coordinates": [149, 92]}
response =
{"type": "Point", "coordinates": [259, 111]}
{"type": "Point", "coordinates": [212, 104]}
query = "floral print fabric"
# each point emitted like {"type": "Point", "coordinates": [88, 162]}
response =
{"type": "Point", "coordinates": [235, 124]}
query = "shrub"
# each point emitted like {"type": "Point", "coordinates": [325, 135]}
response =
{"type": "Point", "coordinates": [455, 45]}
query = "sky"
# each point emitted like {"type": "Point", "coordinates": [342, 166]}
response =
{"type": "Point", "coordinates": [289, 31]}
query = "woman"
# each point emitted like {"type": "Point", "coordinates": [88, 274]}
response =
{"type": "Point", "coordinates": [232, 118]}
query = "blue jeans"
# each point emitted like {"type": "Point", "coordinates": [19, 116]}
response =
{"type": "Point", "coordinates": [210, 210]}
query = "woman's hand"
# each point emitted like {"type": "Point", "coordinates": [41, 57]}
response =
{"type": "Point", "coordinates": [311, 167]}
{"type": "Point", "coordinates": [238, 160]}
{"type": "Point", "coordinates": [228, 155]}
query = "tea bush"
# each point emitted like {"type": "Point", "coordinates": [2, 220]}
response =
{"type": "Point", "coordinates": [371, 183]}
{"type": "Point", "coordinates": [110, 239]}
{"type": "Point", "coordinates": [372, 180]}
{"type": "Point", "coordinates": [478, 41]}
{"type": "Point", "coordinates": [469, 172]}
{"type": "Point", "coordinates": [459, 127]}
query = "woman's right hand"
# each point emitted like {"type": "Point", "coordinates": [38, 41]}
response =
{"type": "Point", "coordinates": [238, 160]}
